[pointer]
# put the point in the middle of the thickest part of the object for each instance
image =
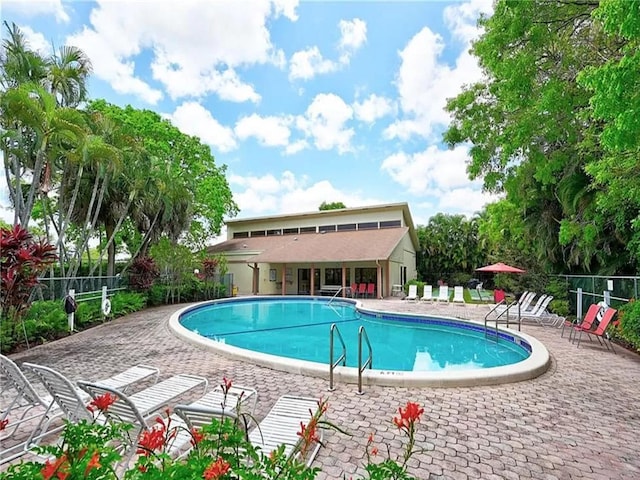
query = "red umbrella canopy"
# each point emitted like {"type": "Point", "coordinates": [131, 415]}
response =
{"type": "Point", "coordinates": [500, 268]}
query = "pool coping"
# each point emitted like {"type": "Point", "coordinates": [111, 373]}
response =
{"type": "Point", "coordinates": [533, 366]}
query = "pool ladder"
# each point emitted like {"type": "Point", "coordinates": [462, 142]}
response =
{"type": "Point", "coordinates": [500, 320]}
{"type": "Point", "coordinates": [342, 359]}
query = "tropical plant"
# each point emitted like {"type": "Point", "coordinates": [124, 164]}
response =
{"type": "Point", "coordinates": [23, 259]}
{"type": "Point", "coordinates": [142, 273]}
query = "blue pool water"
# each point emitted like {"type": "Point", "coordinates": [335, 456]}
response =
{"type": "Point", "coordinates": [299, 328]}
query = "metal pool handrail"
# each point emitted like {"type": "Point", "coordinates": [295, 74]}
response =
{"type": "Point", "coordinates": [498, 320]}
{"type": "Point", "coordinates": [336, 294]}
{"type": "Point", "coordinates": [342, 358]}
{"type": "Point", "coordinates": [362, 333]}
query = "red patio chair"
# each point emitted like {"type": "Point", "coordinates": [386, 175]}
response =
{"type": "Point", "coordinates": [601, 329]}
{"type": "Point", "coordinates": [586, 323]}
{"type": "Point", "coordinates": [371, 290]}
{"type": "Point", "coordinates": [362, 289]}
{"type": "Point", "coordinates": [354, 290]}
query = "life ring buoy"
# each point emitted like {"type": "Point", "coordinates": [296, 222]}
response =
{"type": "Point", "coordinates": [603, 308]}
{"type": "Point", "coordinates": [106, 307]}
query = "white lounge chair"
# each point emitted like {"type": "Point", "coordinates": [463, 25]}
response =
{"type": "Point", "coordinates": [279, 427]}
{"type": "Point", "coordinates": [413, 293]}
{"type": "Point", "coordinates": [540, 313]}
{"type": "Point", "coordinates": [238, 399]}
{"type": "Point", "coordinates": [443, 294]}
{"type": "Point", "coordinates": [427, 294]}
{"type": "Point", "coordinates": [458, 294]}
{"type": "Point", "coordinates": [138, 407]}
{"type": "Point", "coordinates": [524, 303]}
{"type": "Point", "coordinates": [27, 405]}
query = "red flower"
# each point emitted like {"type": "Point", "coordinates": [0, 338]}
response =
{"type": "Point", "coordinates": [142, 468]}
{"type": "Point", "coordinates": [370, 438]}
{"type": "Point", "coordinates": [196, 436]}
{"type": "Point", "coordinates": [93, 463]}
{"type": "Point", "coordinates": [374, 451]}
{"type": "Point", "coordinates": [151, 440]}
{"type": "Point", "coordinates": [226, 386]}
{"type": "Point", "coordinates": [3, 424]}
{"type": "Point", "coordinates": [102, 402]}
{"type": "Point", "coordinates": [59, 468]}
{"type": "Point", "coordinates": [409, 415]}
{"type": "Point", "coordinates": [216, 470]}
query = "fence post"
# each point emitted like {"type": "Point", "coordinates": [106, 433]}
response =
{"type": "Point", "coordinates": [579, 304]}
{"type": "Point", "coordinates": [71, 316]}
{"type": "Point", "coordinates": [103, 299]}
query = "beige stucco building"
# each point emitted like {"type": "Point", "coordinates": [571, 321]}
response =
{"type": "Point", "coordinates": [320, 252]}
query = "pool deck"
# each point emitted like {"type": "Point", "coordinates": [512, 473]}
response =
{"type": "Point", "coordinates": [580, 419]}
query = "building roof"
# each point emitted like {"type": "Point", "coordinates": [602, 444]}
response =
{"type": "Point", "coordinates": [351, 246]}
{"type": "Point", "coordinates": [239, 223]}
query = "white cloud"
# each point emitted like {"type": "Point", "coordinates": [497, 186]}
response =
{"type": "Point", "coordinates": [259, 195]}
{"type": "Point", "coordinates": [197, 46]}
{"type": "Point", "coordinates": [372, 108]}
{"type": "Point", "coordinates": [353, 34]}
{"type": "Point", "coordinates": [440, 174]}
{"type": "Point", "coordinates": [466, 201]}
{"type": "Point", "coordinates": [425, 83]}
{"type": "Point", "coordinates": [36, 41]}
{"type": "Point", "coordinates": [193, 119]}
{"type": "Point", "coordinates": [296, 147]}
{"type": "Point", "coordinates": [269, 131]}
{"type": "Point", "coordinates": [186, 80]}
{"type": "Point", "coordinates": [430, 171]}
{"type": "Point", "coordinates": [462, 18]}
{"type": "Point", "coordinates": [325, 122]}
{"type": "Point", "coordinates": [306, 64]}
{"type": "Point", "coordinates": [34, 8]}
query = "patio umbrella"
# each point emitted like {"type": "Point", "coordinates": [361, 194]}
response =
{"type": "Point", "coordinates": [500, 268]}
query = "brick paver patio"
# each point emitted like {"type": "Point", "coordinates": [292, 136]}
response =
{"type": "Point", "coordinates": [581, 419]}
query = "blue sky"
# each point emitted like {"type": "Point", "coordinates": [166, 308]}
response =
{"type": "Point", "coordinates": [304, 102]}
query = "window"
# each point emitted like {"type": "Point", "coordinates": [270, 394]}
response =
{"type": "Point", "coordinates": [271, 233]}
{"type": "Point", "coordinates": [326, 228]}
{"type": "Point", "coordinates": [333, 276]}
{"type": "Point", "coordinates": [289, 231]}
{"type": "Point", "coordinates": [368, 226]}
{"type": "Point", "coordinates": [366, 275]}
{"type": "Point", "coordinates": [307, 229]}
{"type": "Point", "coordinates": [241, 235]}
{"type": "Point", "coordinates": [345, 227]}
{"type": "Point", "coordinates": [390, 224]}
{"type": "Point", "coordinates": [258, 233]}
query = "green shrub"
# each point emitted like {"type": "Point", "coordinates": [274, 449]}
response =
{"type": "Point", "coordinates": [123, 303]}
{"type": "Point", "coordinates": [460, 278]}
{"type": "Point", "coordinates": [559, 307]}
{"type": "Point", "coordinates": [629, 327]}
{"type": "Point", "coordinates": [157, 295]}
{"type": "Point", "coordinates": [558, 288]}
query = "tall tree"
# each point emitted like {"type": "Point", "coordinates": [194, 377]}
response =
{"type": "Point", "coordinates": [331, 206]}
{"type": "Point", "coordinates": [616, 104]}
{"type": "Point", "coordinates": [529, 126]}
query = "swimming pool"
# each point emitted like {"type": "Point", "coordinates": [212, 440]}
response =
{"type": "Point", "coordinates": [292, 333]}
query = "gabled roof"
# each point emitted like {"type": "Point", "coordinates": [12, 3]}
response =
{"type": "Point", "coordinates": [352, 246]}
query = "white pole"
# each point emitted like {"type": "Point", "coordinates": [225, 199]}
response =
{"type": "Point", "coordinates": [579, 304]}
{"type": "Point", "coordinates": [104, 298]}
{"type": "Point", "coordinates": [71, 316]}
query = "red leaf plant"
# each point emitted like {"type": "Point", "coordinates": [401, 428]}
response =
{"type": "Point", "coordinates": [23, 259]}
